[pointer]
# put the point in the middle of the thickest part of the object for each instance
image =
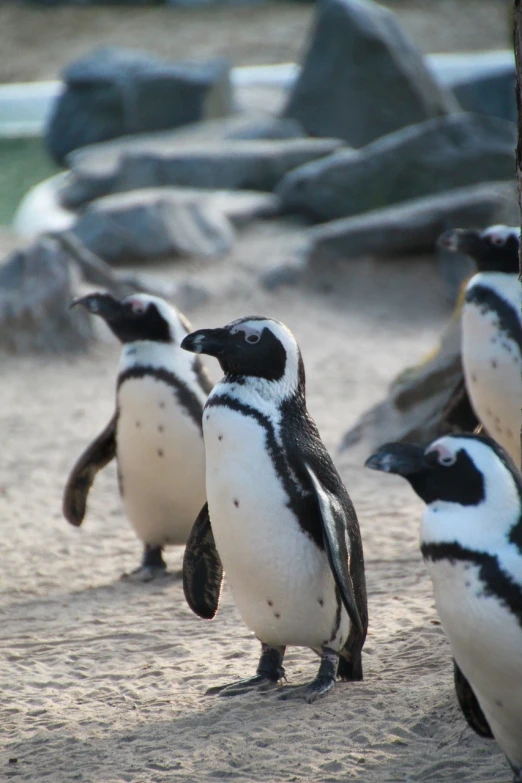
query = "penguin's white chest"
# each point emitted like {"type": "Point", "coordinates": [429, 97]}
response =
{"type": "Point", "coordinates": [486, 641]}
{"type": "Point", "coordinates": [161, 462]}
{"type": "Point", "coordinates": [493, 371]}
{"type": "Point", "coordinates": [281, 581]}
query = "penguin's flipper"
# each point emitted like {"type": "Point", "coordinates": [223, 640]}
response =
{"type": "Point", "coordinates": [469, 705]}
{"type": "Point", "coordinates": [458, 414]}
{"type": "Point", "coordinates": [95, 457]}
{"type": "Point", "coordinates": [202, 569]}
{"type": "Point", "coordinates": [337, 545]}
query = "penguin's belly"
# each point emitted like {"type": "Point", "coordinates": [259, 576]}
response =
{"type": "Point", "coordinates": [281, 581]}
{"type": "Point", "coordinates": [493, 371]}
{"type": "Point", "coordinates": [486, 641]}
{"type": "Point", "coordinates": [161, 462]}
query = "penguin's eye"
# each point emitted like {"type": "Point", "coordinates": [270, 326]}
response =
{"type": "Point", "coordinates": [137, 306]}
{"type": "Point", "coordinates": [497, 240]}
{"type": "Point", "coordinates": [441, 454]}
{"type": "Point", "coordinates": [250, 334]}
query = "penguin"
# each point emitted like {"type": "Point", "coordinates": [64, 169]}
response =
{"type": "Point", "coordinates": [278, 520]}
{"type": "Point", "coordinates": [492, 330]}
{"type": "Point", "coordinates": [155, 433]}
{"type": "Point", "coordinates": [471, 542]}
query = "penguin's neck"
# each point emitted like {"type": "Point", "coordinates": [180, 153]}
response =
{"type": "Point", "coordinates": [157, 355]}
{"type": "Point", "coordinates": [503, 284]}
{"type": "Point", "coordinates": [266, 396]}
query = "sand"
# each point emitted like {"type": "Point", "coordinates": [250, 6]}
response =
{"type": "Point", "coordinates": [103, 680]}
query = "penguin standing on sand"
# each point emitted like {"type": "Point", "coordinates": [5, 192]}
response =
{"type": "Point", "coordinates": [471, 541]}
{"type": "Point", "coordinates": [155, 433]}
{"type": "Point", "coordinates": [492, 330]}
{"type": "Point", "coordinates": [279, 520]}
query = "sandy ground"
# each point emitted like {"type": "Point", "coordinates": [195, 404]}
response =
{"type": "Point", "coordinates": [104, 681]}
{"type": "Point", "coordinates": [36, 43]}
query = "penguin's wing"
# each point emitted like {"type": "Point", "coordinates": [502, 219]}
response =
{"type": "Point", "coordinates": [458, 414]}
{"type": "Point", "coordinates": [101, 451]}
{"type": "Point", "coordinates": [337, 545]}
{"type": "Point", "coordinates": [202, 569]}
{"type": "Point", "coordinates": [469, 705]}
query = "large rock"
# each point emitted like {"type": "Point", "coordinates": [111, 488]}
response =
{"type": "Point", "coordinates": [362, 77]}
{"type": "Point", "coordinates": [482, 82]}
{"type": "Point", "coordinates": [229, 164]}
{"type": "Point", "coordinates": [37, 285]}
{"type": "Point", "coordinates": [145, 225]}
{"type": "Point", "coordinates": [423, 403]}
{"type": "Point", "coordinates": [112, 92]}
{"type": "Point", "coordinates": [434, 156]}
{"type": "Point", "coordinates": [413, 226]}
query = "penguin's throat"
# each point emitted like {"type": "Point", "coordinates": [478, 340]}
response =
{"type": "Point", "coordinates": [254, 386]}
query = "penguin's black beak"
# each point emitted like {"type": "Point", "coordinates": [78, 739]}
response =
{"type": "Point", "coordinates": [403, 459]}
{"type": "Point", "coordinates": [461, 240]}
{"type": "Point", "coordinates": [104, 305]}
{"type": "Point", "coordinates": [213, 342]}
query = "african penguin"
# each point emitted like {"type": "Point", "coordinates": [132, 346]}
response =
{"type": "Point", "coordinates": [279, 520]}
{"type": "Point", "coordinates": [471, 541]}
{"type": "Point", "coordinates": [492, 330]}
{"type": "Point", "coordinates": [155, 433]}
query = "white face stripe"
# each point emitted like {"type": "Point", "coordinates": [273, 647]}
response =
{"type": "Point", "coordinates": [484, 527]}
{"type": "Point", "coordinates": [287, 385]}
{"type": "Point", "coordinates": [499, 234]}
{"type": "Point", "coordinates": [179, 326]}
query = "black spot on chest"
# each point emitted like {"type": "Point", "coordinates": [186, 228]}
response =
{"type": "Point", "coordinates": [185, 397]}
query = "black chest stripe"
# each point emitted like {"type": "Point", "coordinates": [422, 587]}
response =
{"type": "Point", "coordinates": [508, 318]}
{"type": "Point", "coordinates": [497, 583]}
{"type": "Point", "coordinates": [186, 398]}
{"type": "Point", "coordinates": [302, 504]}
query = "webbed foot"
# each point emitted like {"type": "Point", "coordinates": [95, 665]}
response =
{"type": "Point", "coordinates": [152, 566]}
{"type": "Point", "coordinates": [324, 681]}
{"type": "Point", "coordinates": [269, 673]}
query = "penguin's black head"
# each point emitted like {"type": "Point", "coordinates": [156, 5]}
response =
{"type": "Point", "coordinates": [252, 347]}
{"type": "Point", "coordinates": [137, 317]}
{"type": "Point", "coordinates": [471, 487]}
{"type": "Point", "coordinates": [453, 468]}
{"type": "Point", "coordinates": [493, 250]}
{"type": "Point", "coordinates": [445, 470]}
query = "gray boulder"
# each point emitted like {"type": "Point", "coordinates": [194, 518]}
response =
{"type": "Point", "coordinates": [145, 225]}
{"type": "Point", "coordinates": [112, 92]}
{"type": "Point", "coordinates": [489, 92]}
{"type": "Point", "coordinates": [228, 164]}
{"type": "Point", "coordinates": [362, 77]}
{"type": "Point", "coordinates": [432, 157]}
{"type": "Point", "coordinates": [37, 285]}
{"type": "Point", "coordinates": [482, 82]}
{"type": "Point", "coordinates": [412, 226]}
{"type": "Point", "coordinates": [423, 402]}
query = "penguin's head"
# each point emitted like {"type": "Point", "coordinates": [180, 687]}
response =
{"type": "Point", "coordinates": [253, 347]}
{"type": "Point", "coordinates": [137, 317]}
{"type": "Point", "coordinates": [494, 250]}
{"type": "Point", "coordinates": [468, 474]}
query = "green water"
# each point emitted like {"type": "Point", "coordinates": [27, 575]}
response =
{"type": "Point", "coordinates": [23, 163]}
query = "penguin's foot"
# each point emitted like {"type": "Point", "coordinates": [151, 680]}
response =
{"type": "Point", "coordinates": [152, 566]}
{"type": "Point", "coordinates": [323, 683]}
{"type": "Point", "coordinates": [259, 683]}
{"type": "Point", "coordinates": [270, 672]}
